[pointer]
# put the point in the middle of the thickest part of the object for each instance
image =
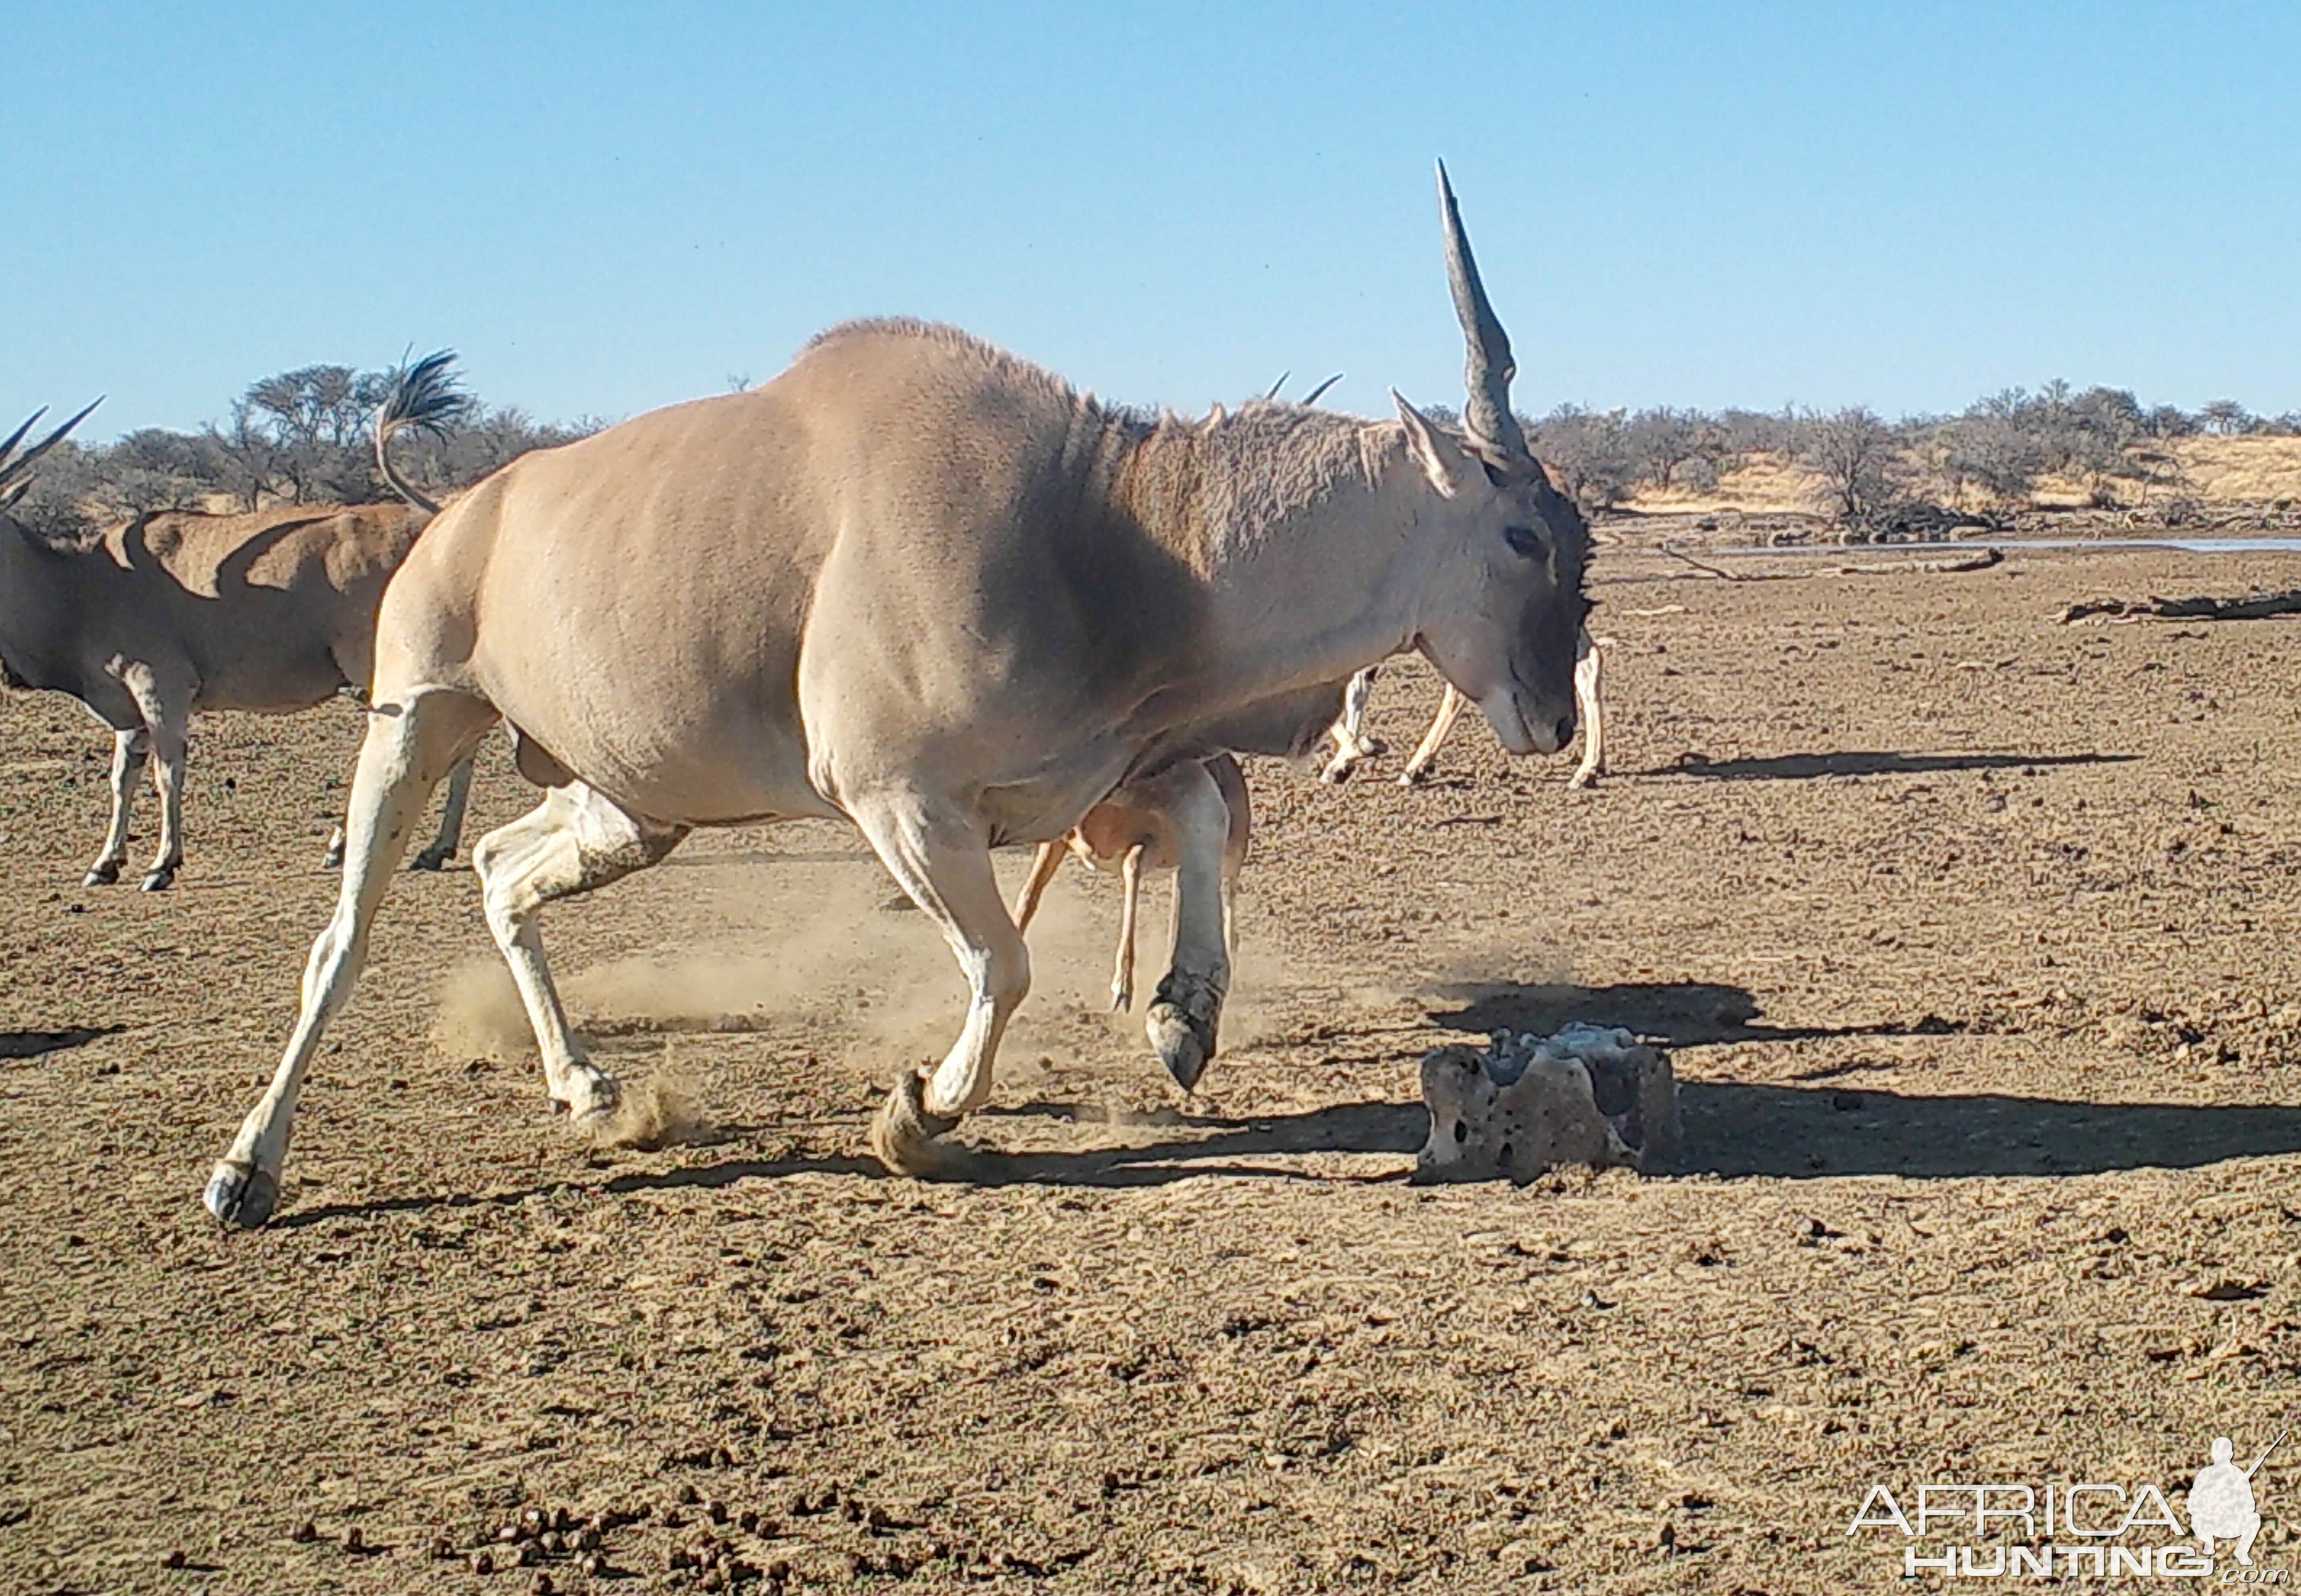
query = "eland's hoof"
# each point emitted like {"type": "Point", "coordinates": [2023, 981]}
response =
{"type": "Point", "coordinates": [1182, 1027]}
{"type": "Point", "coordinates": [1338, 773]}
{"type": "Point", "coordinates": [593, 1096]}
{"type": "Point", "coordinates": [909, 1139]}
{"type": "Point", "coordinates": [159, 881]}
{"type": "Point", "coordinates": [431, 858]}
{"type": "Point", "coordinates": [333, 859]}
{"type": "Point", "coordinates": [102, 875]}
{"type": "Point", "coordinates": [241, 1198]}
{"type": "Point", "coordinates": [1413, 778]}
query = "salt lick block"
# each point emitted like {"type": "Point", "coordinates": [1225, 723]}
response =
{"type": "Point", "coordinates": [1526, 1104]}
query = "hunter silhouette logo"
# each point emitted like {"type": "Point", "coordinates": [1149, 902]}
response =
{"type": "Point", "coordinates": [2220, 1500]}
{"type": "Point", "coordinates": [2001, 1529]}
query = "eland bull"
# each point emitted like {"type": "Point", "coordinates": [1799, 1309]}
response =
{"type": "Point", "coordinates": [919, 584]}
{"type": "Point", "coordinates": [172, 611]}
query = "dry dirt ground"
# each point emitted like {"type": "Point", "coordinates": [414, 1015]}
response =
{"type": "Point", "coordinates": [1972, 937]}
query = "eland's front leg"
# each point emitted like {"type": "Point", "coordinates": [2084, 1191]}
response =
{"type": "Point", "coordinates": [1589, 682]}
{"type": "Point", "coordinates": [1186, 1016]}
{"type": "Point", "coordinates": [129, 750]}
{"type": "Point", "coordinates": [411, 743]}
{"type": "Point", "coordinates": [942, 860]}
{"type": "Point", "coordinates": [1442, 725]}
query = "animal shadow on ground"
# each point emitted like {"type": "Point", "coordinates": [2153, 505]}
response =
{"type": "Point", "coordinates": [31, 1044]}
{"type": "Point", "coordinates": [1732, 1128]}
{"type": "Point", "coordinates": [1802, 767]}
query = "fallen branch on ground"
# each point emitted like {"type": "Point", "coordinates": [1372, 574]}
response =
{"type": "Point", "coordinates": [1974, 562]}
{"type": "Point", "coordinates": [2256, 606]}
{"type": "Point", "coordinates": [1979, 562]}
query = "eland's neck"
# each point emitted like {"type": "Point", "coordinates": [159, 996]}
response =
{"type": "Point", "coordinates": [1309, 533]}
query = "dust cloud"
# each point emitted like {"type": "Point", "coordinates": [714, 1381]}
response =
{"type": "Point", "coordinates": [804, 944]}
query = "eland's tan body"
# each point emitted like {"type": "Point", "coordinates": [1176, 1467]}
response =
{"type": "Point", "coordinates": [271, 612]}
{"type": "Point", "coordinates": [920, 584]}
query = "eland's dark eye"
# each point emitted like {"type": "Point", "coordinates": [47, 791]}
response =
{"type": "Point", "coordinates": [1523, 541]}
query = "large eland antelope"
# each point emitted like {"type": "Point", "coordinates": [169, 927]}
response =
{"type": "Point", "coordinates": [271, 612]}
{"type": "Point", "coordinates": [918, 583]}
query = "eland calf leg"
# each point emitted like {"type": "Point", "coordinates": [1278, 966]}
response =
{"type": "Point", "coordinates": [1122, 975]}
{"type": "Point", "coordinates": [410, 744]}
{"type": "Point", "coordinates": [1044, 864]}
{"type": "Point", "coordinates": [575, 840]}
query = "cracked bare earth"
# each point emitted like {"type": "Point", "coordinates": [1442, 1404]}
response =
{"type": "Point", "coordinates": [1971, 936]}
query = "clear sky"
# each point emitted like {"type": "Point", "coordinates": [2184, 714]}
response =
{"type": "Point", "coordinates": [609, 207]}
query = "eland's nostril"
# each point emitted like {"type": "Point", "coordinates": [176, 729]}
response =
{"type": "Point", "coordinates": [1565, 730]}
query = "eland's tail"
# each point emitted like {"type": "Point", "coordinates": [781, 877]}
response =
{"type": "Point", "coordinates": [425, 395]}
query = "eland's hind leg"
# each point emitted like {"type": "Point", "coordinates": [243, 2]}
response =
{"type": "Point", "coordinates": [572, 842]}
{"type": "Point", "coordinates": [411, 743]}
{"type": "Point", "coordinates": [942, 858]}
{"type": "Point", "coordinates": [129, 750]}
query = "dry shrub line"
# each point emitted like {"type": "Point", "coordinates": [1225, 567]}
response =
{"type": "Point", "coordinates": [2257, 606]}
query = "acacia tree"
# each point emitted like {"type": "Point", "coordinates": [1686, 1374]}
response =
{"type": "Point", "coordinates": [1855, 456]}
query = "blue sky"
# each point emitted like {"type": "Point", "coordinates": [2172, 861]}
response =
{"type": "Point", "coordinates": [607, 207]}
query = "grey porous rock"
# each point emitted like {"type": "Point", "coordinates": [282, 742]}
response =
{"type": "Point", "coordinates": [1525, 1104]}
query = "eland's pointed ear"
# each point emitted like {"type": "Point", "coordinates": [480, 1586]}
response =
{"type": "Point", "coordinates": [1440, 460]}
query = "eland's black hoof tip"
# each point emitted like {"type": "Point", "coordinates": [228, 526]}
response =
{"type": "Point", "coordinates": [241, 1199]}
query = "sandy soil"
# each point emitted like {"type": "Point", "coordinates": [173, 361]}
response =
{"type": "Point", "coordinates": [1971, 935]}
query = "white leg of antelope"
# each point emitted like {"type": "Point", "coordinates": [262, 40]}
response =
{"type": "Point", "coordinates": [450, 835]}
{"type": "Point", "coordinates": [1043, 866]}
{"type": "Point", "coordinates": [128, 751]}
{"type": "Point", "coordinates": [572, 842]}
{"type": "Point", "coordinates": [1450, 708]}
{"type": "Point", "coordinates": [1350, 743]}
{"type": "Point", "coordinates": [1122, 975]}
{"type": "Point", "coordinates": [410, 745]}
{"type": "Point", "coordinates": [1186, 1015]}
{"type": "Point", "coordinates": [942, 860]}
{"type": "Point", "coordinates": [1589, 672]}
{"type": "Point", "coordinates": [171, 740]}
